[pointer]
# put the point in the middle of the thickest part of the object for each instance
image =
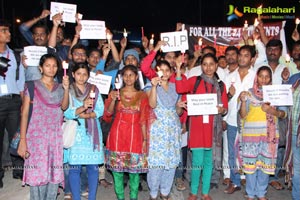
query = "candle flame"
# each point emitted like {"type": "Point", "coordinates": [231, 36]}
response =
{"type": "Point", "coordinates": [152, 36]}
{"type": "Point", "coordinates": [287, 58]}
{"type": "Point", "coordinates": [200, 42]}
{"type": "Point", "coordinates": [297, 21]}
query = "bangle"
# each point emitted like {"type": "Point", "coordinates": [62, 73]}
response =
{"type": "Point", "coordinates": [178, 78]}
{"type": "Point", "coordinates": [22, 138]}
{"type": "Point", "coordinates": [144, 140]}
{"type": "Point", "coordinates": [76, 36]}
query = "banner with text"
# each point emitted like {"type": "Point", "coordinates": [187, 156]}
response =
{"type": "Point", "coordinates": [221, 37]}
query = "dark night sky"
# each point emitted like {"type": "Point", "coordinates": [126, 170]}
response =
{"type": "Point", "coordinates": [155, 15]}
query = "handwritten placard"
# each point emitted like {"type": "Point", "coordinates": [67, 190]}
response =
{"type": "Point", "coordinates": [176, 41]}
{"type": "Point", "coordinates": [102, 82]}
{"type": "Point", "coordinates": [68, 10]}
{"type": "Point", "coordinates": [278, 95]}
{"type": "Point", "coordinates": [93, 29]}
{"type": "Point", "coordinates": [34, 54]}
{"type": "Point", "coordinates": [202, 104]}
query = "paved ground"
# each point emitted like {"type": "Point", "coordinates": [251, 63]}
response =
{"type": "Point", "coordinates": [13, 190]}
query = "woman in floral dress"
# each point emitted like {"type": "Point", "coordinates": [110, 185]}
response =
{"type": "Point", "coordinates": [41, 143]}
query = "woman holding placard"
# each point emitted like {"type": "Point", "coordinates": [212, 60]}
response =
{"type": "Point", "coordinates": [259, 135]}
{"type": "Point", "coordinates": [205, 138]}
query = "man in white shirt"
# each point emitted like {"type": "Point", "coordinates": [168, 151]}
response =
{"type": "Point", "coordinates": [239, 80]}
{"type": "Point", "coordinates": [231, 56]}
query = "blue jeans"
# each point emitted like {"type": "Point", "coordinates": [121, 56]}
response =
{"type": "Point", "coordinates": [234, 175]}
{"type": "Point", "coordinates": [279, 162]}
{"type": "Point", "coordinates": [296, 165]}
{"type": "Point", "coordinates": [75, 180]}
{"type": "Point", "coordinates": [256, 184]}
{"type": "Point", "coordinates": [160, 179]}
{"type": "Point", "coordinates": [182, 165]}
{"type": "Point", "coordinates": [66, 176]}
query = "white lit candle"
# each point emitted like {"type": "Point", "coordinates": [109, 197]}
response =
{"type": "Point", "coordinates": [297, 22]}
{"type": "Point", "coordinates": [200, 42]}
{"type": "Point", "coordinates": [79, 16]}
{"type": "Point", "coordinates": [65, 66]}
{"type": "Point", "coordinates": [255, 23]}
{"type": "Point", "coordinates": [108, 37]}
{"type": "Point", "coordinates": [125, 33]}
{"type": "Point", "coordinates": [92, 94]}
{"type": "Point", "coordinates": [152, 39]}
{"type": "Point", "coordinates": [246, 25]}
{"type": "Point", "coordinates": [259, 11]}
{"type": "Point", "coordinates": [61, 10]}
{"type": "Point", "coordinates": [118, 86]}
{"type": "Point", "coordinates": [159, 72]}
{"type": "Point", "coordinates": [287, 58]}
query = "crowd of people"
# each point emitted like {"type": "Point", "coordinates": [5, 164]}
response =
{"type": "Point", "coordinates": [248, 142]}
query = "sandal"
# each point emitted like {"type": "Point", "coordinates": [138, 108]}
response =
{"type": "Point", "coordinates": [105, 183]}
{"type": "Point", "coordinates": [162, 197]}
{"type": "Point", "coordinates": [206, 197]}
{"type": "Point", "coordinates": [276, 185]}
{"type": "Point", "coordinates": [180, 184]}
{"type": "Point", "coordinates": [192, 197]}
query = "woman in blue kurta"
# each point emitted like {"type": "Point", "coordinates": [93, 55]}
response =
{"type": "Point", "coordinates": [165, 133]}
{"type": "Point", "coordinates": [87, 149]}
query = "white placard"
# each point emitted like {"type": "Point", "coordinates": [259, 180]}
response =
{"type": "Point", "coordinates": [202, 104]}
{"type": "Point", "coordinates": [69, 11]}
{"type": "Point", "coordinates": [278, 95]}
{"type": "Point", "coordinates": [34, 54]}
{"type": "Point", "coordinates": [102, 82]}
{"type": "Point", "coordinates": [176, 41]}
{"type": "Point", "coordinates": [93, 29]}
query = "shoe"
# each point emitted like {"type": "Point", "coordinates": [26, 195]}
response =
{"type": "Point", "coordinates": [1, 183]}
{"type": "Point", "coordinates": [84, 194]}
{"type": "Point", "coordinates": [226, 181]}
{"type": "Point", "coordinates": [206, 197]}
{"type": "Point", "coordinates": [68, 197]}
{"type": "Point", "coordinates": [231, 189]}
{"type": "Point", "coordinates": [243, 182]}
{"type": "Point", "coordinates": [192, 197]}
{"type": "Point", "coordinates": [105, 183]}
{"type": "Point", "coordinates": [276, 185]}
{"type": "Point", "coordinates": [162, 197]}
{"type": "Point", "coordinates": [180, 184]}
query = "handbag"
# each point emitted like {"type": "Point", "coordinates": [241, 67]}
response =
{"type": "Point", "coordinates": [14, 144]}
{"type": "Point", "coordinates": [69, 128]}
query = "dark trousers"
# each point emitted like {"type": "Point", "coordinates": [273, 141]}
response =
{"type": "Point", "coordinates": [10, 108]}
